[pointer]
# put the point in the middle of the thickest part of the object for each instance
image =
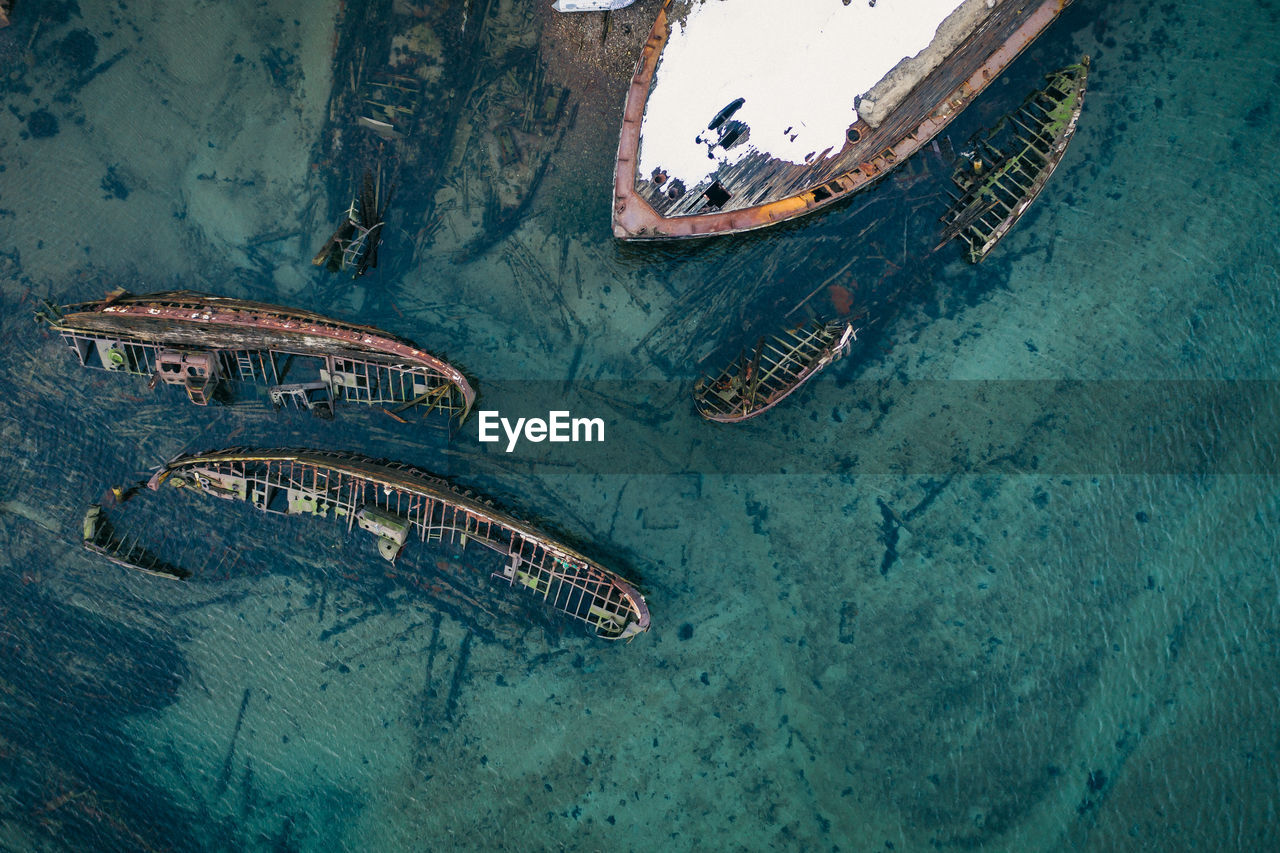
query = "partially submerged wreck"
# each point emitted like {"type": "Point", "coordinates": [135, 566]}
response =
{"type": "Point", "coordinates": [754, 383]}
{"type": "Point", "coordinates": [1006, 170]}
{"type": "Point", "coordinates": [306, 360]}
{"type": "Point", "coordinates": [395, 502]}
{"type": "Point", "coordinates": [848, 91]}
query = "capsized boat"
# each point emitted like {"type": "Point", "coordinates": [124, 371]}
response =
{"type": "Point", "coordinates": [395, 502]}
{"type": "Point", "coordinates": [308, 361]}
{"type": "Point", "coordinates": [756, 382]}
{"type": "Point", "coordinates": [1005, 171]}
{"type": "Point", "coordinates": [744, 113]}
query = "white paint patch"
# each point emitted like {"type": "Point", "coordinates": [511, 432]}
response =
{"type": "Point", "coordinates": [798, 66]}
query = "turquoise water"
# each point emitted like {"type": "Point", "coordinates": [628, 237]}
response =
{"type": "Point", "coordinates": [1005, 578]}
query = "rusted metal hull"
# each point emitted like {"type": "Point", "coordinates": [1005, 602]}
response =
{"type": "Point", "coordinates": [395, 501]}
{"type": "Point", "coordinates": [197, 341]}
{"type": "Point", "coordinates": [998, 186]}
{"type": "Point", "coordinates": [752, 385]}
{"type": "Point", "coordinates": [868, 155]}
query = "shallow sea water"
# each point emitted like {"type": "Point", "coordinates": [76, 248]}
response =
{"type": "Point", "coordinates": [1005, 578]}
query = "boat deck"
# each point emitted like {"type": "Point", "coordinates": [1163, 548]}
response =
{"type": "Point", "coordinates": [758, 190]}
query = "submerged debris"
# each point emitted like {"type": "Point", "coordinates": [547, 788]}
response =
{"type": "Point", "coordinates": [755, 383]}
{"type": "Point", "coordinates": [353, 247]}
{"type": "Point", "coordinates": [307, 361]}
{"type": "Point", "coordinates": [393, 502]}
{"type": "Point", "coordinates": [1004, 172]}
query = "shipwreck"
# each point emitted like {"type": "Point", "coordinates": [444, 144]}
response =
{"type": "Point", "coordinates": [846, 92]}
{"type": "Point", "coordinates": [755, 382]}
{"type": "Point", "coordinates": [307, 361]}
{"type": "Point", "coordinates": [1005, 171]}
{"type": "Point", "coordinates": [394, 503]}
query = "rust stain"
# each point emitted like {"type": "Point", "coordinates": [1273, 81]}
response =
{"type": "Point", "coordinates": [841, 298]}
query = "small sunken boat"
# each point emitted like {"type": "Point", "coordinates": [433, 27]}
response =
{"type": "Point", "coordinates": [1006, 170]}
{"type": "Point", "coordinates": [395, 502]}
{"type": "Point", "coordinates": [754, 383]}
{"type": "Point", "coordinates": [307, 361]}
{"type": "Point", "coordinates": [745, 113]}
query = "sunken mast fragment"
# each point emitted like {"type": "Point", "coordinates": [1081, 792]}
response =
{"type": "Point", "coordinates": [710, 145]}
{"type": "Point", "coordinates": [306, 360]}
{"type": "Point", "coordinates": [394, 502]}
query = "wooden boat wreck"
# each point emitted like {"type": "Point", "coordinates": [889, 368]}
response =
{"type": "Point", "coordinates": [1006, 170]}
{"type": "Point", "coordinates": [395, 502]}
{"type": "Point", "coordinates": [754, 383]}
{"type": "Point", "coordinates": [711, 145]}
{"type": "Point", "coordinates": [306, 360]}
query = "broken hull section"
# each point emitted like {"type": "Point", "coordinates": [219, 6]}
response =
{"type": "Point", "coordinates": [757, 190]}
{"type": "Point", "coordinates": [306, 360]}
{"type": "Point", "coordinates": [396, 502]}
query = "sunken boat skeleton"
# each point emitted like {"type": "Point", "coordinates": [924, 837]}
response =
{"type": "Point", "coordinates": [306, 360]}
{"type": "Point", "coordinates": [393, 502]}
{"type": "Point", "coordinates": [1005, 171]}
{"type": "Point", "coordinates": [756, 382]}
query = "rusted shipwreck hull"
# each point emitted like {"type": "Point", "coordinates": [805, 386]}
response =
{"type": "Point", "coordinates": [751, 185]}
{"type": "Point", "coordinates": [755, 383]}
{"type": "Point", "coordinates": [1000, 178]}
{"type": "Point", "coordinates": [394, 502]}
{"type": "Point", "coordinates": [306, 360]}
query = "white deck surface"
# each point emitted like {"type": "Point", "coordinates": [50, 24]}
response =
{"type": "Point", "coordinates": [799, 66]}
